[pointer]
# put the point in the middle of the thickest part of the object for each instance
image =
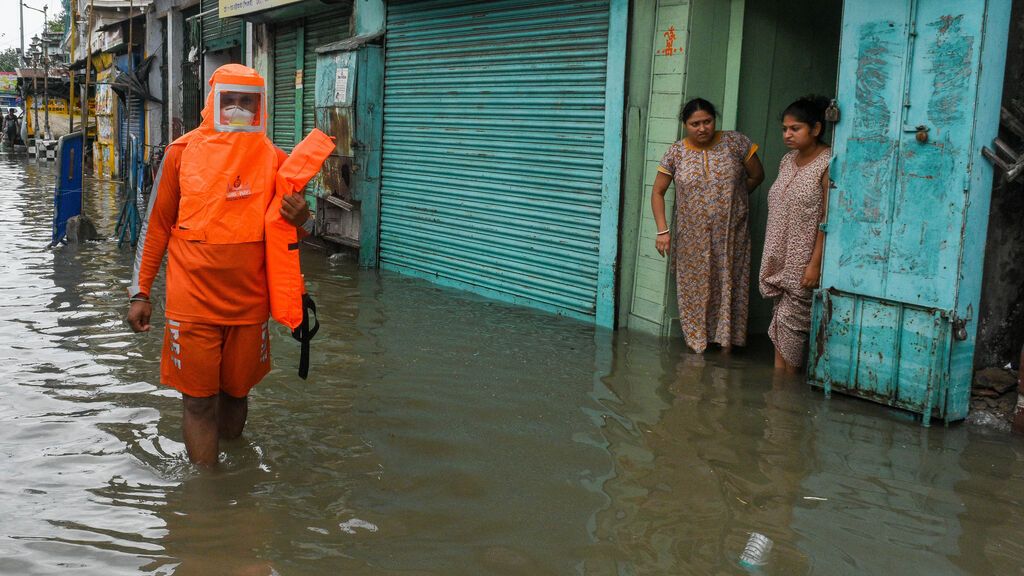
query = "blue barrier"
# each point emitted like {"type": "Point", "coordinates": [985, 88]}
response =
{"type": "Point", "coordinates": [67, 195]}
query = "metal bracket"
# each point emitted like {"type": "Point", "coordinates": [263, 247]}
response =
{"type": "Point", "coordinates": [960, 323]}
{"type": "Point", "coordinates": [960, 328]}
{"type": "Point", "coordinates": [1010, 162]}
{"type": "Point", "coordinates": [1004, 156]}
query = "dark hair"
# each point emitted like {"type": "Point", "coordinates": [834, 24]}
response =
{"type": "Point", "coordinates": [696, 105]}
{"type": "Point", "coordinates": [809, 110]}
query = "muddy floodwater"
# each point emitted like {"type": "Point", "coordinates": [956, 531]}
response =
{"type": "Point", "coordinates": [445, 434]}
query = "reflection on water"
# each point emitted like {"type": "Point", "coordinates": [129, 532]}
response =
{"type": "Point", "coordinates": [444, 434]}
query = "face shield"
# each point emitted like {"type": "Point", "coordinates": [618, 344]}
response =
{"type": "Point", "coordinates": [238, 108]}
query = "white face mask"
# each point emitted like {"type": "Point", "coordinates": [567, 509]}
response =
{"type": "Point", "coordinates": [236, 116]}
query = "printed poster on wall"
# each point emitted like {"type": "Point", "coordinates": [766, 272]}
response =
{"type": "Point", "coordinates": [341, 86]}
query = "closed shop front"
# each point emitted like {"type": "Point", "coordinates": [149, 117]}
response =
{"type": "Point", "coordinates": [294, 71]}
{"type": "Point", "coordinates": [221, 33]}
{"type": "Point", "coordinates": [502, 149]}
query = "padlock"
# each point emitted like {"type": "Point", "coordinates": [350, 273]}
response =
{"type": "Point", "coordinates": [922, 134]}
{"type": "Point", "coordinates": [832, 112]}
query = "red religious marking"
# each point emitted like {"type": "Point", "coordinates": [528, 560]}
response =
{"type": "Point", "coordinates": [670, 40]}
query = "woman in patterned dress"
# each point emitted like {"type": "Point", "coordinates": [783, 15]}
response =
{"type": "Point", "coordinates": [791, 267]}
{"type": "Point", "coordinates": [714, 173]}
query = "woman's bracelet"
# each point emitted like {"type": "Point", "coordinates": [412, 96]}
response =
{"type": "Point", "coordinates": [665, 231]}
{"type": "Point", "coordinates": [138, 299]}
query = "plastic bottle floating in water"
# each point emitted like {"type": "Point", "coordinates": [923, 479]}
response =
{"type": "Point", "coordinates": [755, 553]}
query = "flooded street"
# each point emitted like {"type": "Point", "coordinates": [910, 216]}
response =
{"type": "Point", "coordinates": [444, 434]}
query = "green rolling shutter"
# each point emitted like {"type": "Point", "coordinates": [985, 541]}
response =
{"type": "Point", "coordinates": [502, 148]}
{"type": "Point", "coordinates": [220, 34]}
{"type": "Point", "coordinates": [282, 113]}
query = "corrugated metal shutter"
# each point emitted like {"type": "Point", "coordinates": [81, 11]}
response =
{"type": "Point", "coordinates": [219, 34]}
{"type": "Point", "coordinates": [282, 114]}
{"type": "Point", "coordinates": [494, 125]}
{"type": "Point", "coordinates": [138, 120]}
{"type": "Point", "coordinates": [324, 29]}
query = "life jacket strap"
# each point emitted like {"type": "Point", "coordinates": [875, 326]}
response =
{"type": "Point", "coordinates": [304, 334]}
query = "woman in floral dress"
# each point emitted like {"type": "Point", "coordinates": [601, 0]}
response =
{"type": "Point", "coordinates": [791, 267]}
{"type": "Point", "coordinates": [714, 173]}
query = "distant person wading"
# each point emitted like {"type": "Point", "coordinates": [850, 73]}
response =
{"type": "Point", "coordinates": [11, 127]}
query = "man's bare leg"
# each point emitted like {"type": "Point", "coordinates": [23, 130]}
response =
{"type": "Point", "coordinates": [199, 428]}
{"type": "Point", "coordinates": [231, 416]}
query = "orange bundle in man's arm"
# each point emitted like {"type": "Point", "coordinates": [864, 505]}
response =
{"type": "Point", "coordinates": [289, 303]}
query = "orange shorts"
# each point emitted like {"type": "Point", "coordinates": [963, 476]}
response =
{"type": "Point", "coordinates": [204, 359]}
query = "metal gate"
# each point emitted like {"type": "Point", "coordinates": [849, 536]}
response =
{"type": "Point", "coordinates": [919, 87]}
{"type": "Point", "coordinates": [191, 73]}
{"type": "Point", "coordinates": [502, 148]}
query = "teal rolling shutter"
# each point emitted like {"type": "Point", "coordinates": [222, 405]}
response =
{"type": "Point", "coordinates": [282, 113]}
{"type": "Point", "coordinates": [494, 148]}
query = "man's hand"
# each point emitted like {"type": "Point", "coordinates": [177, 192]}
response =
{"type": "Point", "coordinates": [138, 315]}
{"type": "Point", "coordinates": [294, 209]}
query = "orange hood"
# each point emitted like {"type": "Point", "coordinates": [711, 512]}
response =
{"type": "Point", "coordinates": [229, 76]}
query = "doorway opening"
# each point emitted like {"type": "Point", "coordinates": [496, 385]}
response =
{"type": "Point", "coordinates": [790, 49]}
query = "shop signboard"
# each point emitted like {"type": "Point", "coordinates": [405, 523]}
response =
{"type": "Point", "coordinates": [230, 8]}
{"type": "Point", "coordinates": [8, 83]}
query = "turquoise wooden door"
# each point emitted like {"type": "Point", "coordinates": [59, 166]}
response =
{"type": "Point", "coordinates": [919, 89]}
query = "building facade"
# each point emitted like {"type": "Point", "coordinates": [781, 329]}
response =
{"type": "Point", "coordinates": [508, 147]}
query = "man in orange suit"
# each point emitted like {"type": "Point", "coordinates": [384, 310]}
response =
{"type": "Point", "coordinates": [207, 214]}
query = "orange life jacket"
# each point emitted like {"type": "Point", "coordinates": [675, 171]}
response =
{"type": "Point", "coordinates": [289, 303]}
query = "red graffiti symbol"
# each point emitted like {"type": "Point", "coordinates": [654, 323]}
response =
{"type": "Point", "coordinates": [670, 40]}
